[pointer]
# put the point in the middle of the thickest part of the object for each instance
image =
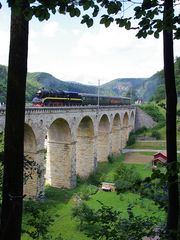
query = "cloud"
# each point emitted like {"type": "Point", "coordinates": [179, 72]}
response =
{"type": "Point", "coordinates": [4, 47]}
{"type": "Point", "coordinates": [113, 52]}
{"type": "Point", "coordinates": [50, 29]}
{"type": "Point", "coordinates": [104, 41]}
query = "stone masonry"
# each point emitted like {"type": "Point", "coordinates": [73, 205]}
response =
{"type": "Point", "coordinates": [70, 141]}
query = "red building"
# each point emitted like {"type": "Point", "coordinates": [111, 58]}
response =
{"type": "Point", "coordinates": [159, 157]}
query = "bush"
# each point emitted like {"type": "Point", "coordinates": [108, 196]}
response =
{"type": "Point", "coordinates": [125, 177]}
{"type": "Point", "coordinates": [131, 139]}
{"type": "Point", "coordinates": [153, 111]}
{"type": "Point", "coordinates": [111, 158]}
{"type": "Point", "coordinates": [87, 191]}
{"type": "Point", "coordinates": [156, 134]}
{"type": "Point", "coordinates": [37, 222]}
{"type": "Point", "coordinates": [107, 223]}
{"type": "Point", "coordinates": [141, 130]}
{"type": "Point", "coordinates": [178, 112]}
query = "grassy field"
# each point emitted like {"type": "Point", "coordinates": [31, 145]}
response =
{"type": "Point", "coordinates": [156, 145]}
{"type": "Point", "coordinates": [59, 202]}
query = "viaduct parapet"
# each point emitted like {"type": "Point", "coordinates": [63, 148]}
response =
{"type": "Point", "coordinates": [70, 141]}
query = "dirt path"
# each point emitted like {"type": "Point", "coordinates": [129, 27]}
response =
{"type": "Point", "coordinates": [133, 157]}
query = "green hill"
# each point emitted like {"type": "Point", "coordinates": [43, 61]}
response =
{"type": "Point", "coordinates": [137, 88]}
{"type": "Point", "coordinates": [39, 80]}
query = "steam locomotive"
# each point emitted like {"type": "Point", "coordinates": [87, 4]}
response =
{"type": "Point", "coordinates": [55, 98]}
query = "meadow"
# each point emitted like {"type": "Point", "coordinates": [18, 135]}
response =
{"type": "Point", "coordinates": [59, 203]}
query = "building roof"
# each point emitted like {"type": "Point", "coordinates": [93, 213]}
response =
{"type": "Point", "coordinates": [160, 157]}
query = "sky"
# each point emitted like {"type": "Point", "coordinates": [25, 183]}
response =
{"type": "Point", "coordinates": [70, 51]}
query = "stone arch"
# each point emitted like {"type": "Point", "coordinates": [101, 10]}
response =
{"type": "Point", "coordinates": [125, 119]}
{"type": "Point", "coordinates": [30, 170]}
{"type": "Point", "coordinates": [59, 154]}
{"type": "Point", "coordinates": [103, 140]}
{"type": "Point", "coordinates": [85, 154]}
{"type": "Point", "coordinates": [131, 121]}
{"type": "Point", "coordinates": [125, 131]}
{"type": "Point", "coordinates": [116, 137]}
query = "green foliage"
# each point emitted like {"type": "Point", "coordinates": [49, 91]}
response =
{"type": "Point", "coordinates": [159, 94]}
{"type": "Point", "coordinates": [87, 191]}
{"type": "Point", "coordinates": [154, 111]}
{"type": "Point", "coordinates": [3, 83]}
{"type": "Point", "coordinates": [107, 223]}
{"type": "Point", "coordinates": [37, 222]}
{"type": "Point", "coordinates": [62, 201]}
{"type": "Point", "coordinates": [125, 177]}
{"type": "Point", "coordinates": [141, 130]}
{"type": "Point", "coordinates": [111, 158]}
{"type": "Point", "coordinates": [156, 190]}
{"type": "Point", "coordinates": [138, 88]}
{"type": "Point", "coordinates": [83, 213]}
{"type": "Point", "coordinates": [155, 187]}
{"type": "Point", "coordinates": [101, 172]}
{"type": "Point", "coordinates": [178, 112]}
{"type": "Point", "coordinates": [156, 134]}
{"type": "Point", "coordinates": [30, 167]}
{"type": "Point", "coordinates": [131, 139]}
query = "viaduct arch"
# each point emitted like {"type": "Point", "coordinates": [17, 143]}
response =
{"type": "Point", "coordinates": [62, 143]}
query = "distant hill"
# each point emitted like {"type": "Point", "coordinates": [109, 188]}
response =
{"type": "Point", "coordinates": [39, 80]}
{"type": "Point", "coordinates": [137, 88]}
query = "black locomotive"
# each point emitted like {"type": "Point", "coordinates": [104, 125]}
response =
{"type": "Point", "coordinates": [55, 98]}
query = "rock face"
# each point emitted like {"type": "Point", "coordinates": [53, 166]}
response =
{"type": "Point", "coordinates": [143, 120]}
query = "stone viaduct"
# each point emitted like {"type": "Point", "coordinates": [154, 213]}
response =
{"type": "Point", "coordinates": [70, 141]}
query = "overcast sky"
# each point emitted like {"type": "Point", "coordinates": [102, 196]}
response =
{"type": "Point", "coordinates": [70, 51]}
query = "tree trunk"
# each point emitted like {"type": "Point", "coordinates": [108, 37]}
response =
{"type": "Point", "coordinates": [171, 102]}
{"type": "Point", "coordinates": [11, 217]}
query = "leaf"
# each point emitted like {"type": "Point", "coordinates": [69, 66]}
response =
{"type": "Point", "coordinates": [156, 34]}
{"type": "Point", "coordinates": [128, 25]}
{"type": "Point", "coordinates": [96, 11]}
{"type": "Point", "coordinates": [86, 19]}
{"type": "Point", "coordinates": [28, 14]}
{"type": "Point", "coordinates": [53, 11]}
{"type": "Point", "coordinates": [86, 5]}
{"type": "Point", "coordinates": [177, 34]}
{"type": "Point", "coordinates": [72, 13]}
{"type": "Point", "coordinates": [121, 22]}
{"type": "Point", "coordinates": [47, 15]}
{"type": "Point", "coordinates": [62, 9]}
{"type": "Point", "coordinates": [113, 7]}
{"type": "Point", "coordinates": [150, 32]}
{"type": "Point", "coordinates": [77, 12]}
{"type": "Point", "coordinates": [90, 22]}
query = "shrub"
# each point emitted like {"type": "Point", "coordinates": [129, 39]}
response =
{"type": "Point", "coordinates": [153, 111]}
{"type": "Point", "coordinates": [156, 134]}
{"type": "Point", "coordinates": [156, 190]}
{"type": "Point", "coordinates": [107, 223]}
{"type": "Point", "coordinates": [87, 191]}
{"type": "Point", "coordinates": [111, 158]}
{"type": "Point", "coordinates": [141, 130]}
{"type": "Point", "coordinates": [37, 222]}
{"type": "Point", "coordinates": [131, 139]}
{"type": "Point", "coordinates": [126, 177]}
{"type": "Point", "coordinates": [178, 112]}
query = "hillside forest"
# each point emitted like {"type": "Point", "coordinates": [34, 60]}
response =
{"type": "Point", "coordinates": [146, 89]}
